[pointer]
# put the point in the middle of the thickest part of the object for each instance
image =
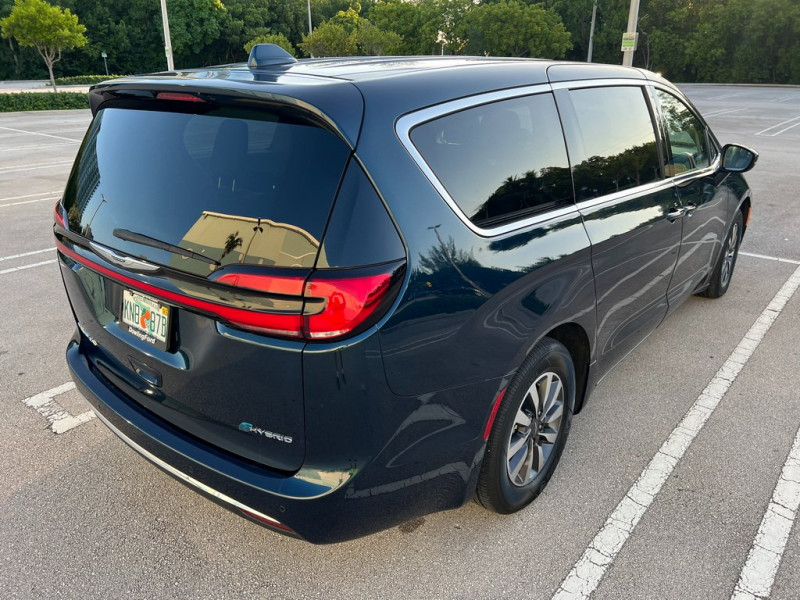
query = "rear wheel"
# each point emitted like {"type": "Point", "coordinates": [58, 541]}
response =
{"type": "Point", "coordinates": [723, 270]}
{"type": "Point", "coordinates": [532, 425]}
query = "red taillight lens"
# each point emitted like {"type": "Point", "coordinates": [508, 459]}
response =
{"type": "Point", "coordinates": [269, 521]}
{"type": "Point", "coordinates": [346, 303]}
{"type": "Point", "coordinates": [59, 215]}
{"type": "Point", "coordinates": [334, 306]}
{"type": "Point", "coordinates": [290, 286]}
{"type": "Point", "coordinates": [178, 96]}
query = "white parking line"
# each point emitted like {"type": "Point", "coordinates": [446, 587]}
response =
{"type": "Point", "coordinates": [775, 258]}
{"type": "Point", "coordinates": [27, 196]}
{"type": "Point", "coordinates": [36, 147]}
{"type": "Point", "coordinates": [726, 111]}
{"type": "Point", "coordinates": [763, 131]}
{"type": "Point", "coordinates": [13, 256]}
{"type": "Point", "coordinates": [60, 420]}
{"type": "Point", "coordinates": [590, 569]}
{"type": "Point", "coordinates": [22, 268]}
{"type": "Point", "coordinates": [51, 199]}
{"type": "Point", "coordinates": [4, 170]}
{"type": "Point", "coordinates": [58, 137]}
{"type": "Point", "coordinates": [764, 559]}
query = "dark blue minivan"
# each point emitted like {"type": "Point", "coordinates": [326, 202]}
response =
{"type": "Point", "coordinates": [335, 295]}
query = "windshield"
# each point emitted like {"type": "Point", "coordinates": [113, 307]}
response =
{"type": "Point", "coordinates": [235, 186]}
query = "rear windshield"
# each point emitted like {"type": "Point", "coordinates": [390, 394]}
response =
{"type": "Point", "coordinates": [230, 186]}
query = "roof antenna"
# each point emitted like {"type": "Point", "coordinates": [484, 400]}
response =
{"type": "Point", "coordinates": [269, 55]}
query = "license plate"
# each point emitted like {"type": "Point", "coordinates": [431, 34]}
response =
{"type": "Point", "coordinates": [145, 317]}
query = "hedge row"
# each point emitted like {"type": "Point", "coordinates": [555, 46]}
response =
{"type": "Point", "coordinates": [84, 79]}
{"type": "Point", "coordinates": [43, 101]}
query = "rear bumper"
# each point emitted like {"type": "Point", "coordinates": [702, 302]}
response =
{"type": "Point", "coordinates": [319, 506]}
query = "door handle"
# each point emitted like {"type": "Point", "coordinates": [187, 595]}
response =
{"type": "Point", "coordinates": [675, 212]}
{"type": "Point", "coordinates": [690, 208]}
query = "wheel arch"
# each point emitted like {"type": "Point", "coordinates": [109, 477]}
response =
{"type": "Point", "coordinates": [576, 341]}
{"type": "Point", "coordinates": [744, 208]}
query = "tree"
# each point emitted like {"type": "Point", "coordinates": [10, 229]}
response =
{"type": "Point", "coordinates": [46, 27]}
{"type": "Point", "coordinates": [329, 39]}
{"type": "Point", "coordinates": [350, 34]}
{"type": "Point", "coordinates": [512, 28]}
{"type": "Point", "coordinates": [271, 38]}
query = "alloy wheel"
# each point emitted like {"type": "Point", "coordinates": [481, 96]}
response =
{"type": "Point", "coordinates": [535, 430]}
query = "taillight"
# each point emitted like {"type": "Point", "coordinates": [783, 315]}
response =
{"type": "Point", "coordinates": [180, 97]}
{"type": "Point", "coordinates": [340, 305]}
{"type": "Point", "coordinates": [333, 305]}
{"type": "Point", "coordinates": [59, 215]}
{"type": "Point", "coordinates": [328, 304]}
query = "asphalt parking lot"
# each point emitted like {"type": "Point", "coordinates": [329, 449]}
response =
{"type": "Point", "coordinates": [678, 479]}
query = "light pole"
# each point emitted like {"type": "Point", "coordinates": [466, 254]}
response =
{"type": "Point", "coordinates": [591, 32]}
{"type": "Point", "coordinates": [309, 16]}
{"type": "Point", "coordinates": [629, 38]}
{"type": "Point", "coordinates": [105, 62]}
{"type": "Point", "coordinates": [167, 42]}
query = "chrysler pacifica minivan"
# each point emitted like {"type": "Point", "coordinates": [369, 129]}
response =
{"type": "Point", "coordinates": [336, 295]}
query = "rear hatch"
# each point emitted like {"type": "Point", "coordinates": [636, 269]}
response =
{"type": "Point", "coordinates": [188, 233]}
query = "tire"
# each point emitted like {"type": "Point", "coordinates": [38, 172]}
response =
{"type": "Point", "coordinates": [523, 449]}
{"type": "Point", "coordinates": [723, 270]}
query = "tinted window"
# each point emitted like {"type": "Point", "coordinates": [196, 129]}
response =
{"type": "Point", "coordinates": [500, 161]}
{"type": "Point", "coordinates": [688, 143]}
{"type": "Point", "coordinates": [238, 187]}
{"type": "Point", "coordinates": [360, 231]}
{"type": "Point", "coordinates": [616, 149]}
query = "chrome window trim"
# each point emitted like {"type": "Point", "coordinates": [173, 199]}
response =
{"type": "Point", "coordinates": [407, 122]}
{"type": "Point", "coordinates": [592, 83]}
{"type": "Point", "coordinates": [647, 188]}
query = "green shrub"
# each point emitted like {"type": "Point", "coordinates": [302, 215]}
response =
{"type": "Point", "coordinates": [84, 79]}
{"type": "Point", "coordinates": [43, 101]}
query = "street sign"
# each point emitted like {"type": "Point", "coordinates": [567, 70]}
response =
{"type": "Point", "coordinates": [629, 41]}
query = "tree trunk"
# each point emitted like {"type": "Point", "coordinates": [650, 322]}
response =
{"type": "Point", "coordinates": [52, 79]}
{"type": "Point", "coordinates": [17, 69]}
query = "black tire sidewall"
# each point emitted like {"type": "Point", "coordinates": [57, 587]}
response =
{"type": "Point", "coordinates": [716, 288]}
{"type": "Point", "coordinates": [496, 488]}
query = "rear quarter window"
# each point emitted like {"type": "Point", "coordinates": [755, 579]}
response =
{"type": "Point", "coordinates": [501, 161]}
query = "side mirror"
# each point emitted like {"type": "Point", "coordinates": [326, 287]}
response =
{"type": "Point", "coordinates": [738, 159]}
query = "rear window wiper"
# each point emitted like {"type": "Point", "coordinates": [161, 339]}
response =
{"type": "Point", "coordinates": [146, 240]}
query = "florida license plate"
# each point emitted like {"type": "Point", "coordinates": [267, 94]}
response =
{"type": "Point", "coordinates": [146, 318]}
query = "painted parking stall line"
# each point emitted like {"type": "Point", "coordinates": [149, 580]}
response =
{"type": "Point", "coordinates": [766, 553]}
{"type": "Point", "coordinates": [21, 168]}
{"type": "Point", "coordinates": [58, 137]}
{"type": "Point", "coordinates": [24, 267]}
{"type": "Point", "coordinates": [59, 419]}
{"type": "Point", "coordinates": [27, 196]}
{"type": "Point", "coordinates": [792, 120]}
{"type": "Point", "coordinates": [590, 569]}
{"type": "Point", "coordinates": [726, 111]}
{"type": "Point", "coordinates": [775, 258]}
{"type": "Point", "coordinates": [24, 254]}
{"type": "Point", "coordinates": [51, 199]}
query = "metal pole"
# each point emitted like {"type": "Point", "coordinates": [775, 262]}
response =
{"type": "Point", "coordinates": [105, 63]}
{"type": "Point", "coordinates": [591, 32]}
{"type": "Point", "coordinates": [309, 17]}
{"type": "Point", "coordinates": [167, 42]}
{"type": "Point", "coordinates": [633, 17]}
